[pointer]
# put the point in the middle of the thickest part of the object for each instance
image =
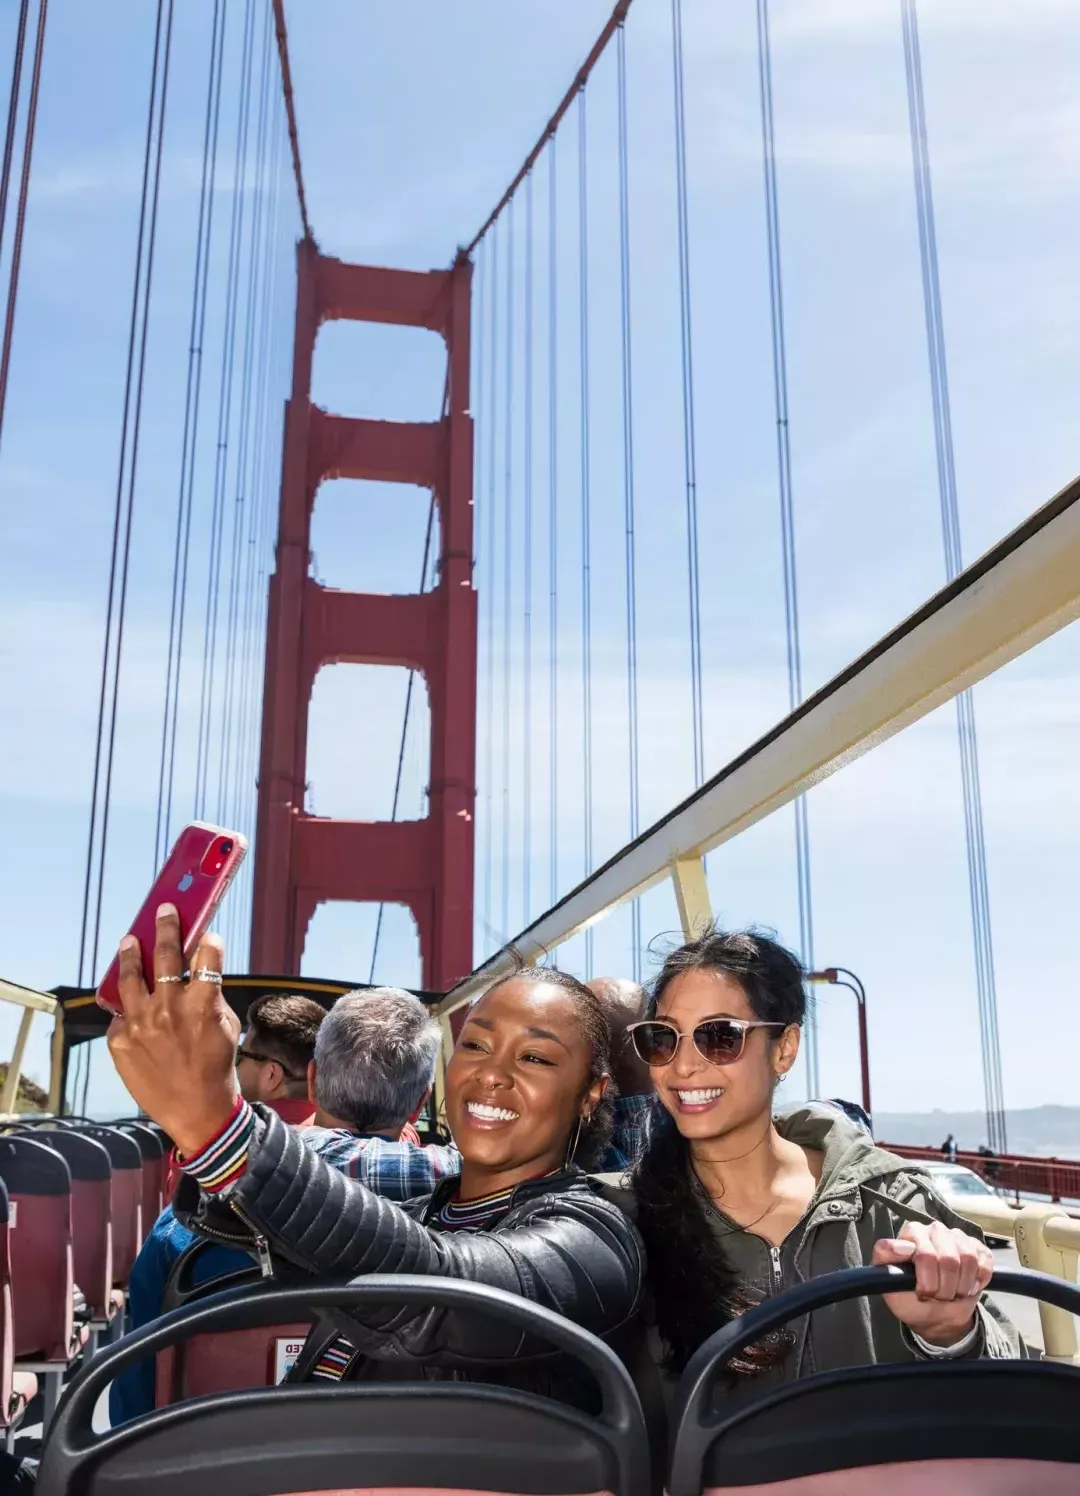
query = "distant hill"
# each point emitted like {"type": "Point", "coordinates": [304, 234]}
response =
{"type": "Point", "coordinates": [29, 1097]}
{"type": "Point", "coordinates": [1048, 1131]}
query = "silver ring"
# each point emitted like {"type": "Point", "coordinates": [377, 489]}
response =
{"type": "Point", "coordinates": [204, 974]}
{"type": "Point", "coordinates": [160, 981]}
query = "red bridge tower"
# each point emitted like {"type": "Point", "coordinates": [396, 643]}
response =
{"type": "Point", "coordinates": [302, 860]}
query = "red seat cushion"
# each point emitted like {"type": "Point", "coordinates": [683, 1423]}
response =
{"type": "Point", "coordinates": [926, 1478]}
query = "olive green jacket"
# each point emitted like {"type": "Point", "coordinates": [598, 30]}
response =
{"type": "Point", "coordinates": [865, 1194]}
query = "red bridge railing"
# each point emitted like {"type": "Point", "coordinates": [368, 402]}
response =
{"type": "Point", "coordinates": [1021, 1174]}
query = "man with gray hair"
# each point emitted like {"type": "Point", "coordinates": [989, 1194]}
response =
{"type": "Point", "coordinates": [372, 1072]}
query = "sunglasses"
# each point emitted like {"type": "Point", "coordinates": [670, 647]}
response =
{"type": "Point", "coordinates": [719, 1041]}
{"type": "Point", "coordinates": [263, 1059]}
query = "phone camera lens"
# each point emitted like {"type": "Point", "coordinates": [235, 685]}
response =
{"type": "Point", "coordinates": [225, 848]}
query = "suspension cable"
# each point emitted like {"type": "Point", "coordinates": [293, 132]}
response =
{"type": "Point", "coordinates": [224, 422]}
{"type": "Point", "coordinates": [189, 442]}
{"type": "Point", "coordinates": [24, 186]}
{"type": "Point", "coordinates": [290, 113]}
{"type": "Point", "coordinates": [787, 509]}
{"type": "Point", "coordinates": [527, 524]}
{"type": "Point", "coordinates": [241, 499]}
{"type": "Point", "coordinates": [489, 755]}
{"type": "Point", "coordinates": [978, 881]}
{"type": "Point", "coordinates": [553, 518]}
{"type": "Point", "coordinates": [13, 112]}
{"type": "Point", "coordinates": [508, 561]}
{"type": "Point", "coordinates": [586, 502]}
{"type": "Point", "coordinates": [116, 602]}
{"type": "Point", "coordinates": [629, 494]}
{"type": "Point", "coordinates": [689, 428]}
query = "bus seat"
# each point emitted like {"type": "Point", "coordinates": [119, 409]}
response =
{"type": "Point", "coordinates": [17, 1388]}
{"type": "Point", "coordinates": [126, 1195]}
{"type": "Point", "coordinates": [936, 1428]}
{"type": "Point", "coordinates": [394, 1437]}
{"type": "Point", "coordinates": [155, 1163]}
{"type": "Point", "coordinates": [91, 1214]}
{"type": "Point", "coordinates": [38, 1183]}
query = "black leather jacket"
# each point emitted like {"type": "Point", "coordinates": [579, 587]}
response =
{"type": "Point", "coordinates": [559, 1244]}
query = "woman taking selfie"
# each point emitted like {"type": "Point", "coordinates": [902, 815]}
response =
{"type": "Point", "coordinates": [735, 1206]}
{"type": "Point", "coordinates": [527, 1102]}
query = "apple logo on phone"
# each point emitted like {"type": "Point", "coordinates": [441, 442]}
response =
{"type": "Point", "coordinates": [185, 883]}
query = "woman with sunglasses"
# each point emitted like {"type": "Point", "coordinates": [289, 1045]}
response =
{"type": "Point", "coordinates": [735, 1204]}
{"type": "Point", "coordinates": [529, 1104]}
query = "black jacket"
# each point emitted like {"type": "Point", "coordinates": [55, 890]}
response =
{"type": "Point", "coordinates": [560, 1244]}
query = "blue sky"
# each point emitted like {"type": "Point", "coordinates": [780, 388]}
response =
{"type": "Point", "coordinates": [413, 116]}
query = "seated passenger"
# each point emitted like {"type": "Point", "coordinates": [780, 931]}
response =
{"type": "Point", "coordinates": [272, 1059]}
{"type": "Point", "coordinates": [526, 1100]}
{"type": "Point", "coordinates": [624, 1004]}
{"type": "Point", "coordinates": [735, 1204]}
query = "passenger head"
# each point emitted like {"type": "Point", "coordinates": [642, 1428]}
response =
{"type": "Point", "coordinates": [374, 1061]}
{"type": "Point", "coordinates": [624, 1002]}
{"type": "Point", "coordinates": [277, 1045]}
{"type": "Point", "coordinates": [713, 1067]}
{"type": "Point", "coordinates": [527, 1089]}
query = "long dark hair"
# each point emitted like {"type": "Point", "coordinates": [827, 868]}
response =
{"type": "Point", "coordinates": [695, 1288]}
{"type": "Point", "coordinates": [594, 1139]}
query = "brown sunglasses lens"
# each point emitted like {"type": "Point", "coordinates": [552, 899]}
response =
{"type": "Point", "coordinates": [719, 1040]}
{"type": "Point", "coordinates": [655, 1043]}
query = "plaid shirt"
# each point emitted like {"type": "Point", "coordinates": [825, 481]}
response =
{"type": "Point", "coordinates": [403, 1171]}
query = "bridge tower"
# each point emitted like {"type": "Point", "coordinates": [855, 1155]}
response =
{"type": "Point", "coordinates": [301, 859]}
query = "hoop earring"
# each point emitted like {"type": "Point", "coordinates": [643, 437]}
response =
{"type": "Point", "coordinates": [572, 1146]}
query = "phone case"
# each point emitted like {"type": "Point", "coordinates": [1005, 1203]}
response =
{"type": "Point", "coordinates": [195, 877]}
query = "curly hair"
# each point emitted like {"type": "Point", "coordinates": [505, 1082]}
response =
{"type": "Point", "coordinates": [695, 1288]}
{"type": "Point", "coordinates": [595, 1136]}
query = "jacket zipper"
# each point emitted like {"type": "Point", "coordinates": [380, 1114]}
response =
{"type": "Point", "coordinates": [262, 1246]}
{"type": "Point", "coordinates": [777, 1271]}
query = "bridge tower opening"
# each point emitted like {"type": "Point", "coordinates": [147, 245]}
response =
{"type": "Point", "coordinates": [301, 859]}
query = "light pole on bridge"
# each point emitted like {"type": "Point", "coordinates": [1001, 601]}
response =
{"type": "Point", "coordinates": [839, 976]}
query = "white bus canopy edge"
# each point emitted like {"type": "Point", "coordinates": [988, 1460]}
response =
{"type": "Point", "coordinates": [1021, 591]}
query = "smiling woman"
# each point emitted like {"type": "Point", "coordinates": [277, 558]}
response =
{"type": "Point", "coordinates": [527, 1099]}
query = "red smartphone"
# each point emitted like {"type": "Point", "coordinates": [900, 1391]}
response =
{"type": "Point", "coordinates": [195, 878]}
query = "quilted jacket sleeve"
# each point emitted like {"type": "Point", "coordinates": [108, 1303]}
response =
{"type": "Point", "coordinates": [573, 1252]}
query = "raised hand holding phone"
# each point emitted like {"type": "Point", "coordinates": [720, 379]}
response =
{"type": "Point", "coordinates": [174, 1042]}
{"type": "Point", "coordinates": [194, 880]}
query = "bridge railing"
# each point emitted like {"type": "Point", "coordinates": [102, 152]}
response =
{"type": "Point", "coordinates": [1047, 1241]}
{"type": "Point", "coordinates": [1019, 1173]}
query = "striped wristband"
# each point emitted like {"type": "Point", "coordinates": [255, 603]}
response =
{"type": "Point", "coordinates": [224, 1158]}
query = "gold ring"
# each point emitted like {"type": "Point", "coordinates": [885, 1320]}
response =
{"type": "Point", "coordinates": [204, 974]}
{"type": "Point", "coordinates": [160, 981]}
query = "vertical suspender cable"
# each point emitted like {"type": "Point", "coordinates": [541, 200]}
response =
{"type": "Point", "coordinates": [508, 562]}
{"type": "Point", "coordinates": [586, 518]}
{"type": "Point", "coordinates": [127, 466]}
{"type": "Point", "coordinates": [689, 429]}
{"type": "Point", "coordinates": [975, 837]}
{"type": "Point", "coordinates": [553, 518]}
{"type": "Point", "coordinates": [489, 706]}
{"type": "Point", "coordinates": [480, 403]}
{"type": "Point", "coordinates": [787, 510]}
{"type": "Point", "coordinates": [189, 443]}
{"type": "Point", "coordinates": [628, 481]}
{"type": "Point", "coordinates": [24, 185]}
{"type": "Point", "coordinates": [224, 424]}
{"type": "Point", "coordinates": [404, 734]}
{"type": "Point", "coordinates": [242, 505]}
{"type": "Point", "coordinates": [527, 580]}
